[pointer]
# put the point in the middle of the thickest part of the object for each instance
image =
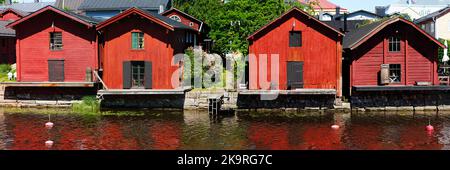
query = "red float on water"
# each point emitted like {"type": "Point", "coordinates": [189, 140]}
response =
{"type": "Point", "coordinates": [335, 127]}
{"type": "Point", "coordinates": [430, 128]}
{"type": "Point", "coordinates": [49, 143]}
{"type": "Point", "coordinates": [49, 125]}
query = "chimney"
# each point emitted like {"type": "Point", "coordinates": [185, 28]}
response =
{"type": "Point", "coordinates": [338, 10]}
{"type": "Point", "coordinates": [161, 9]}
{"type": "Point", "coordinates": [380, 11]}
{"type": "Point", "coordinates": [345, 23]}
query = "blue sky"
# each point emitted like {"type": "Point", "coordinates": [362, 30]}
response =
{"type": "Point", "coordinates": [369, 5]}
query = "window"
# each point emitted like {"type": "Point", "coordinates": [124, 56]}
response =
{"type": "Point", "coordinates": [190, 37]}
{"type": "Point", "coordinates": [175, 17]}
{"type": "Point", "coordinates": [137, 73]}
{"type": "Point", "coordinates": [295, 39]}
{"type": "Point", "coordinates": [395, 73]}
{"type": "Point", "coordinates": [56, 41]}
{"type": "Point", "coordinates": [191, 24]}
{"type": "Point", "coordinates": [394, 44]}
{"type": "Point", "coordinates": [137, 40]}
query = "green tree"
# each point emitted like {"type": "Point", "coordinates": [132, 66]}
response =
{"type": "Point", "coordinates": [230, 23]}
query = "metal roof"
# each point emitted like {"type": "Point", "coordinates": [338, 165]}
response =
{"type": "Point", "coordinates": [93, 5]}
{"type": "Point", "coordinates": [28, 7]}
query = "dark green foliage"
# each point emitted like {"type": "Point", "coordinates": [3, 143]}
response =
{"type": "Point", "coordinates": [230, 23]}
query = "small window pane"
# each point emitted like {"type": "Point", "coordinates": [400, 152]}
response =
{"type": "Point", "coordinates": [295, 39]}
{"type": "Point", "coordinates": [395, 73]}
{"type": "Point", "coordinates": [56, 41]}
{"type": "Point", "coordinates": [394, 44]}
{"type": "Point", "coordinates": [137, 40]}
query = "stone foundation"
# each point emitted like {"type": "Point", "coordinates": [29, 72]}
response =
{"type": "Point", "coordinates": [308, 102]}
{"type": "Point", "coordinates": [401, 100]}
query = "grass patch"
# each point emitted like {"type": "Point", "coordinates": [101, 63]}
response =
{"type": "Point", "coordinates": [89, 105]}
{"type": "Point", "coordinates": [4, 70]}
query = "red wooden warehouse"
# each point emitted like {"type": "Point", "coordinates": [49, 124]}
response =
{"type": "Point", "coordinates": [7, 35]}
{"type": "Point", "coordinates": [391, 53]}
{"type": "Point", "coordinates": [10, 14]}
{"type": "Point", "coordinates": [138, 47]}
{"type": "Point", "coordinates": [55, 46]}
{"type": "Point", "coordinates": [310, 53]}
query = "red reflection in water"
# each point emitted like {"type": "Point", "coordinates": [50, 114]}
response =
{"type": "Point", "coordinates": [27, 134]}
{"type": "Point", "coordinates": [322, 137]}
{"type": "Point", "coordinates": [365, 136]}
{"type": "Point", "coordinates": [416, 137]}
{"type": "Point", "coordinates": [113, 138]}
{"type": "Point", "coordinates": [265, 136]}
{"type": "Point", "coordinates": [165, 135]}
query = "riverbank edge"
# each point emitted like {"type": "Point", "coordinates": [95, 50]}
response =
{"type": "Point", "coordinates": [344, 108]}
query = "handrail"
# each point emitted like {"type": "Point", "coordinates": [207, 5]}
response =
{"type": "Point", "coordinates": [103, 83]}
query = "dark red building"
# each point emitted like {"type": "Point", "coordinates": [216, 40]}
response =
{"type": "Point", "coordinates": [310, 53]}
{"type": "Point", "coordinates": [8, 35]}
{"type": "Point", "coordinates": [390, 53]}
{"type": "Point", "coordinates": [55, 46]}
{"type": "Point", "coordinates": [137, 48]}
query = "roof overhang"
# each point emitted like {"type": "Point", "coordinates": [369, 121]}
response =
{"type": "Point", "coordinates": [20, 14]}
{"type": "Point", "coordinates": [387, 23]}
{"type": "Point", "coordinates": [294, 9]}
{"type": "Point", "coordinates": [131, 11]}
{"type": "Point", "coordinates": [48, 8]}
{"type": "Point", "coordinates": [181, 12]}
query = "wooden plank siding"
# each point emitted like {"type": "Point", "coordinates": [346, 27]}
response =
{"type": "Point", "coordinates": [184, 19]}
{"type": "Point", "coordinates": [417, 56]}
{"type": "Point", "coordinates": [160, 45]}
{"type": "Point", "coordinates": [33, 52]}
{"type": "Point", "coordinates": [321, 52]}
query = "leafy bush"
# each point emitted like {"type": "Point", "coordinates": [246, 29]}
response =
{"type": "Point", "coordinates": [5, 68]}
{"type": "Point", "coordinates": [89, 105]}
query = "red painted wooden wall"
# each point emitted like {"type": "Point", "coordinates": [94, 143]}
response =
{"type": "Point", "coordinates": [33, 52]}
{"type": "Point", "coordinates": [160, 45]}
{"type": "Point", "coordinates": [9, 16]}
{"type": "Point", "coordinates": [185, 20]}
{"type": "Point", "coordinates": [417, 57]}
{"type": "Point", "coordinates": [321, 52]}
{"type": "Point", "coordinates": [8, 44]}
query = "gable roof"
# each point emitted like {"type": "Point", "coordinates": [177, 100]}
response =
{"type": "Point", "coordinates": [94, 5]}
{"type": "Point", "coordinates": [88, 21]}
{"type": "Point", "coordinates": [16, 11]}
{"type": "Point", "coordinates": [357, 12]}
{"type": "Point", "coordinates": [294, 9]}
{"type": "Point", "coordinates": [29, 7]}
{"type": "Point", "coordinates": [355, 38]}
{"type": "Point", "coordinates": [436, 14]}
{"type": "Point", "coordinates": [179, 11]}
{"type": "Point", "coordinates": [157, 18]}
{"type": "Point", "coordinates": [69, 4]}
{"type": "Point", "coordinates": [322, 4]}
{"type": "Point", "coordinates": [6, 32]}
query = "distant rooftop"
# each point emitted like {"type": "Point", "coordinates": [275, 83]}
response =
{"type": "Point", "coordinates": [423, 2]}
{"type": "Point", "coordinates": [28, 7]}
{"type": "Point", "coordinates": [89, 5]}
{"type": "Point", "coordinates": [324, 4]}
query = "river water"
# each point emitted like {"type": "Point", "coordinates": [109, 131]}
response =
{"type": "Point", "coordinates": [168, 130]}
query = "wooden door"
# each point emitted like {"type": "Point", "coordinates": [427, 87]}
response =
{"type": "Point", "coordinates": [294, 75]}
{"type": "Point", "coordinates": [56, 70]}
